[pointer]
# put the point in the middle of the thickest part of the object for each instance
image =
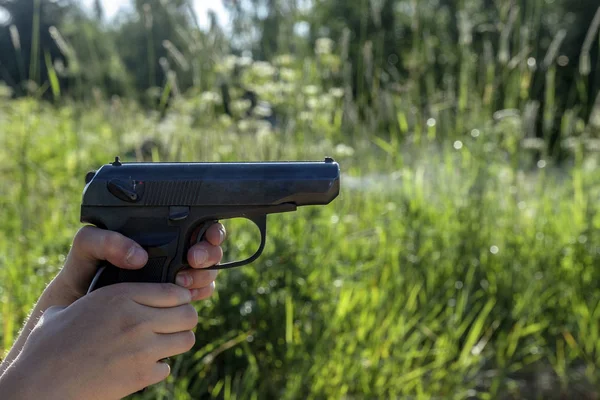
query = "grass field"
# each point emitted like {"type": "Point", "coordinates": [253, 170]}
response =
{"type": "Point", "coordinates": [451, 265]}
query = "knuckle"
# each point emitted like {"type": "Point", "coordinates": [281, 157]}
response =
{"type": "Point", "coordinates": [208, 291]}
{"type": "Point", "coordinates": [219, 251]}
{"type": "Point", "coordinates": [188, 340]}
{"type": "Point", "coordinates": [203, 278]}
{"type": "Point", "coordinates": [53, 310]}
{"type": "Point", "coordinates": [128, 323]}
{"type": "Point", "coordinates": [105, 240]}
{"type": "Point", "coordinates": [80, 236]}
{"type": "Point", "coordinates": [190, 316]}
{"type": "Point", "coordinates": [142, 375]}
{"type": "Point", "coordinates": [132, 324]}
{"type": "Point", "coordinates": [48, 314]}
{"type": "Point", "coordinates": [171, 291]}
{"type": "Point", "coordinates": [143, 355]}
{"type": "Point", "coordinates": [113, 245]}
{"type": "Point", "coordinates": [215, 256]}
{"type": "Point", "coordinates": [210, 277]}
{"type": "Point", "coordinates": [118, 293]}
{"type": "Point", "coordinates": [168, 289]}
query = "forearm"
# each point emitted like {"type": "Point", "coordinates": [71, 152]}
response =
{"type": "Point", "coordinates": [16, 385]}
{"type": "Point", "coordinates": [55, 294]}
{"type": "Point", "coordinates": [13, 386]}
{"type": "Point", "coordinates": [29, 377]}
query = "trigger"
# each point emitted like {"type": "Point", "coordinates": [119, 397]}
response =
{"type": "Point", "coordinates": [200, 234]}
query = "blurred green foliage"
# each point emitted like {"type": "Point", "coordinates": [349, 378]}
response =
{"type": "Point", "coordinates": [386, 46]}
{"type": "Point", "coordinates": [460, 259]}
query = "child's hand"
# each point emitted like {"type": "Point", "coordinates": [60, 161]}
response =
{"type": "Point", "coordinates": [106, 345]}
{"type": "Point", "coordinates": [93, 244]}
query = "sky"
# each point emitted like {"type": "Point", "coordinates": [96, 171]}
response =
{"type": "Point", "coordinates": [112, 7]}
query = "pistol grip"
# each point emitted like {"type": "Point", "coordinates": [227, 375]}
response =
{"type": "Point", "coordinates": [156, 269]}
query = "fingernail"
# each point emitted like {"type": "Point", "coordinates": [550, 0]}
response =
{"type": "Point", "coordinates": [200, 256]}
{"type": "Point", "coordinates": [221, 235]}
{"type": "Point", "coordinates": [136, 256]}
{"type": "Point", "coordinates": [184, 280]}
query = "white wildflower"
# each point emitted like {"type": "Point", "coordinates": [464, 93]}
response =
{"type": "Point", "coordinates": [225, 120]}
{"type": "Point", "coordinates": [263, 110]}
{"type": "Point", "coordinates": [230, 62]}
{"type": "Point", "coordinates": [244, 125]}
{"type": "Point", "coordinates": [284, 60]}
{"type": "Point", "coordinates": [287, 88]}
{"type": "Point", "coordinates": [268, 88]}
{"type": "Point", "coordinates": [288, 74]}
{"type": "Point", "coordinates": [263, 69]}
{"type": "Point", "coordinates": [342, 150]}
{"type": "Point", "coordinates": [305, 116]}
{"type": "Point", "coordinates": [533, 143]}
{"type": "Point", "coordinates": [244, 61]}
{"type": "Point", "coordinates": [325, 102]}
{"type": "Point", "coordinates": [592, 145]}
{"type": "Point", "coordinates": [337, 93]}
{"type": "Point", "coordinates": [324, 46]}
{"type": "Point", "coordinates": [311, 90]}
{"type": "Point", "coordinates": [240, 105]}
{"type": "Point", "coordinates": [210, 97]}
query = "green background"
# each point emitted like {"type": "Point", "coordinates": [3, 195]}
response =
{"type": "Point", "coordinates": [461, 258]}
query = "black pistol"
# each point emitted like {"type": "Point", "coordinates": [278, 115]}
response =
{"type": "Point", "coordinates": [167, 207]}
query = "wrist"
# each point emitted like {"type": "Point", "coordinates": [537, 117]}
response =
{"type": "Point", "coordinates": [17, 385]}
{"type": "Point", "coordinates": [31, 377]}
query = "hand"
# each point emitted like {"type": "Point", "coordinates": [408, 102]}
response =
{"type": "Point", "coordinates": [92, 244]}
{"type": "Point", "coordinates": [106, 345]}
{"type": "Point", "coordinates": [203, 255]}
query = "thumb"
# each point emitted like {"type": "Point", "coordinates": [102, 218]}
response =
{"type": "Point", "coordinates": [92, 245]}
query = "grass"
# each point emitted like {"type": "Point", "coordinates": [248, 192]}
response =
{"type": "Point", "coordinates": [451, 276]}
{"type": "Point", "coordinates": [454, 264]}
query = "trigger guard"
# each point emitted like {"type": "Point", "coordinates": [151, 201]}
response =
{"type": "Point", "coordinates": [261, 222]}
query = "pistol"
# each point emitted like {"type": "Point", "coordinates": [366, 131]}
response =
{"type": "Point", "coordinates": [167, 207]}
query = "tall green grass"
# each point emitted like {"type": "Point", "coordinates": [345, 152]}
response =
{"type": "Point", "coordinates": [455, 264]}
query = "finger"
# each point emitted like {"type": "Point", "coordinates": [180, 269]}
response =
{"type": "Point", "coordinates": [203, 293]}
{"type": "Point", "coordinates": [172, 320]}
{"type": "Point", "coordinates": [160, 372]}
{"type": "Point", "coordinates": [155, 374]}
{"type": "Point", "coordinates": [173, 344]}
{"type": "Point", "coordinates": [204, 255]}
{"type": "Point", "coordinates": [158, 295]}
{"type": "Point", "coordinates": [92, 244]}
{"type": "Point", "coordinates": [196, 279]}
{"type": "Point", "coordinates": [216, 234]}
